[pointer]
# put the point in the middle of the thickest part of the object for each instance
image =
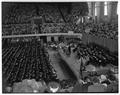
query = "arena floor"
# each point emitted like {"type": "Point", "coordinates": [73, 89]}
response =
{"type": "Point", "coordinates": [55, 60]}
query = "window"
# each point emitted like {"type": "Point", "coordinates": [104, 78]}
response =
{"type": "Point", "coordinates": [105, 8]}
{"type": "Point", "coordinates": [95, 9]}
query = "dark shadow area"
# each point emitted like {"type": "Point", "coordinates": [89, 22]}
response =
{"type": "Point", "coordinates": [67, 69]}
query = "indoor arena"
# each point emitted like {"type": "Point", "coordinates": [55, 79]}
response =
{"type": "Point", "coordinates": [60, 47]}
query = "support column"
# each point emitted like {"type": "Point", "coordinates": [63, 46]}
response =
{"type": "Point", "coordinates": [56, 38]}
{"type": "Point", "coordinates": [109, 8]}
{"type": "Point", "coordinates": [100, 11]}
{"type": "Point", "coordinates": [90, 9]}
{"type": "Point", "coordinates": [93, 10]}
{"type": "Point", "coordinates": [48, 38]}
{"type": "Point", "coordinates": [112, 11]}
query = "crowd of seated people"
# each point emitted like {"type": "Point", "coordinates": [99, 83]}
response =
{"type": "Point", "coordinates": [25, 61]}
{"type": "Point", "coordinates": [104, 83]}
{"type": "Point", "coordinates": [101, 83]}
{"type": "Point", "coordinates": [102, 30]}
{"type": "Point", "coordinates": [106, 30]}
{"type": "Point", "coordinates": [17, 29]}
{"type": "Point", "coordinates": [21, 16]}
{"type": "Point", "coordinates": [22, 13]}
{"type": "Point", "coordinates": [50, 13]}
{"type": "Point", "coordinates": [53, 28]}
{"type": "Point", "coordinates": [6, 30]}
{"type": "Point", "coordinates": [98, 55]}
{"type": "Point", "coordinates": [21, 61]}
{"type": "Point", "coordinates": [93, 56]}
{"type": "Point", "coordinates": [22, 29]}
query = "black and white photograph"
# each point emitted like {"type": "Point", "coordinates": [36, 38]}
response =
{"type": "Point", "coordinates": [59, 47]}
